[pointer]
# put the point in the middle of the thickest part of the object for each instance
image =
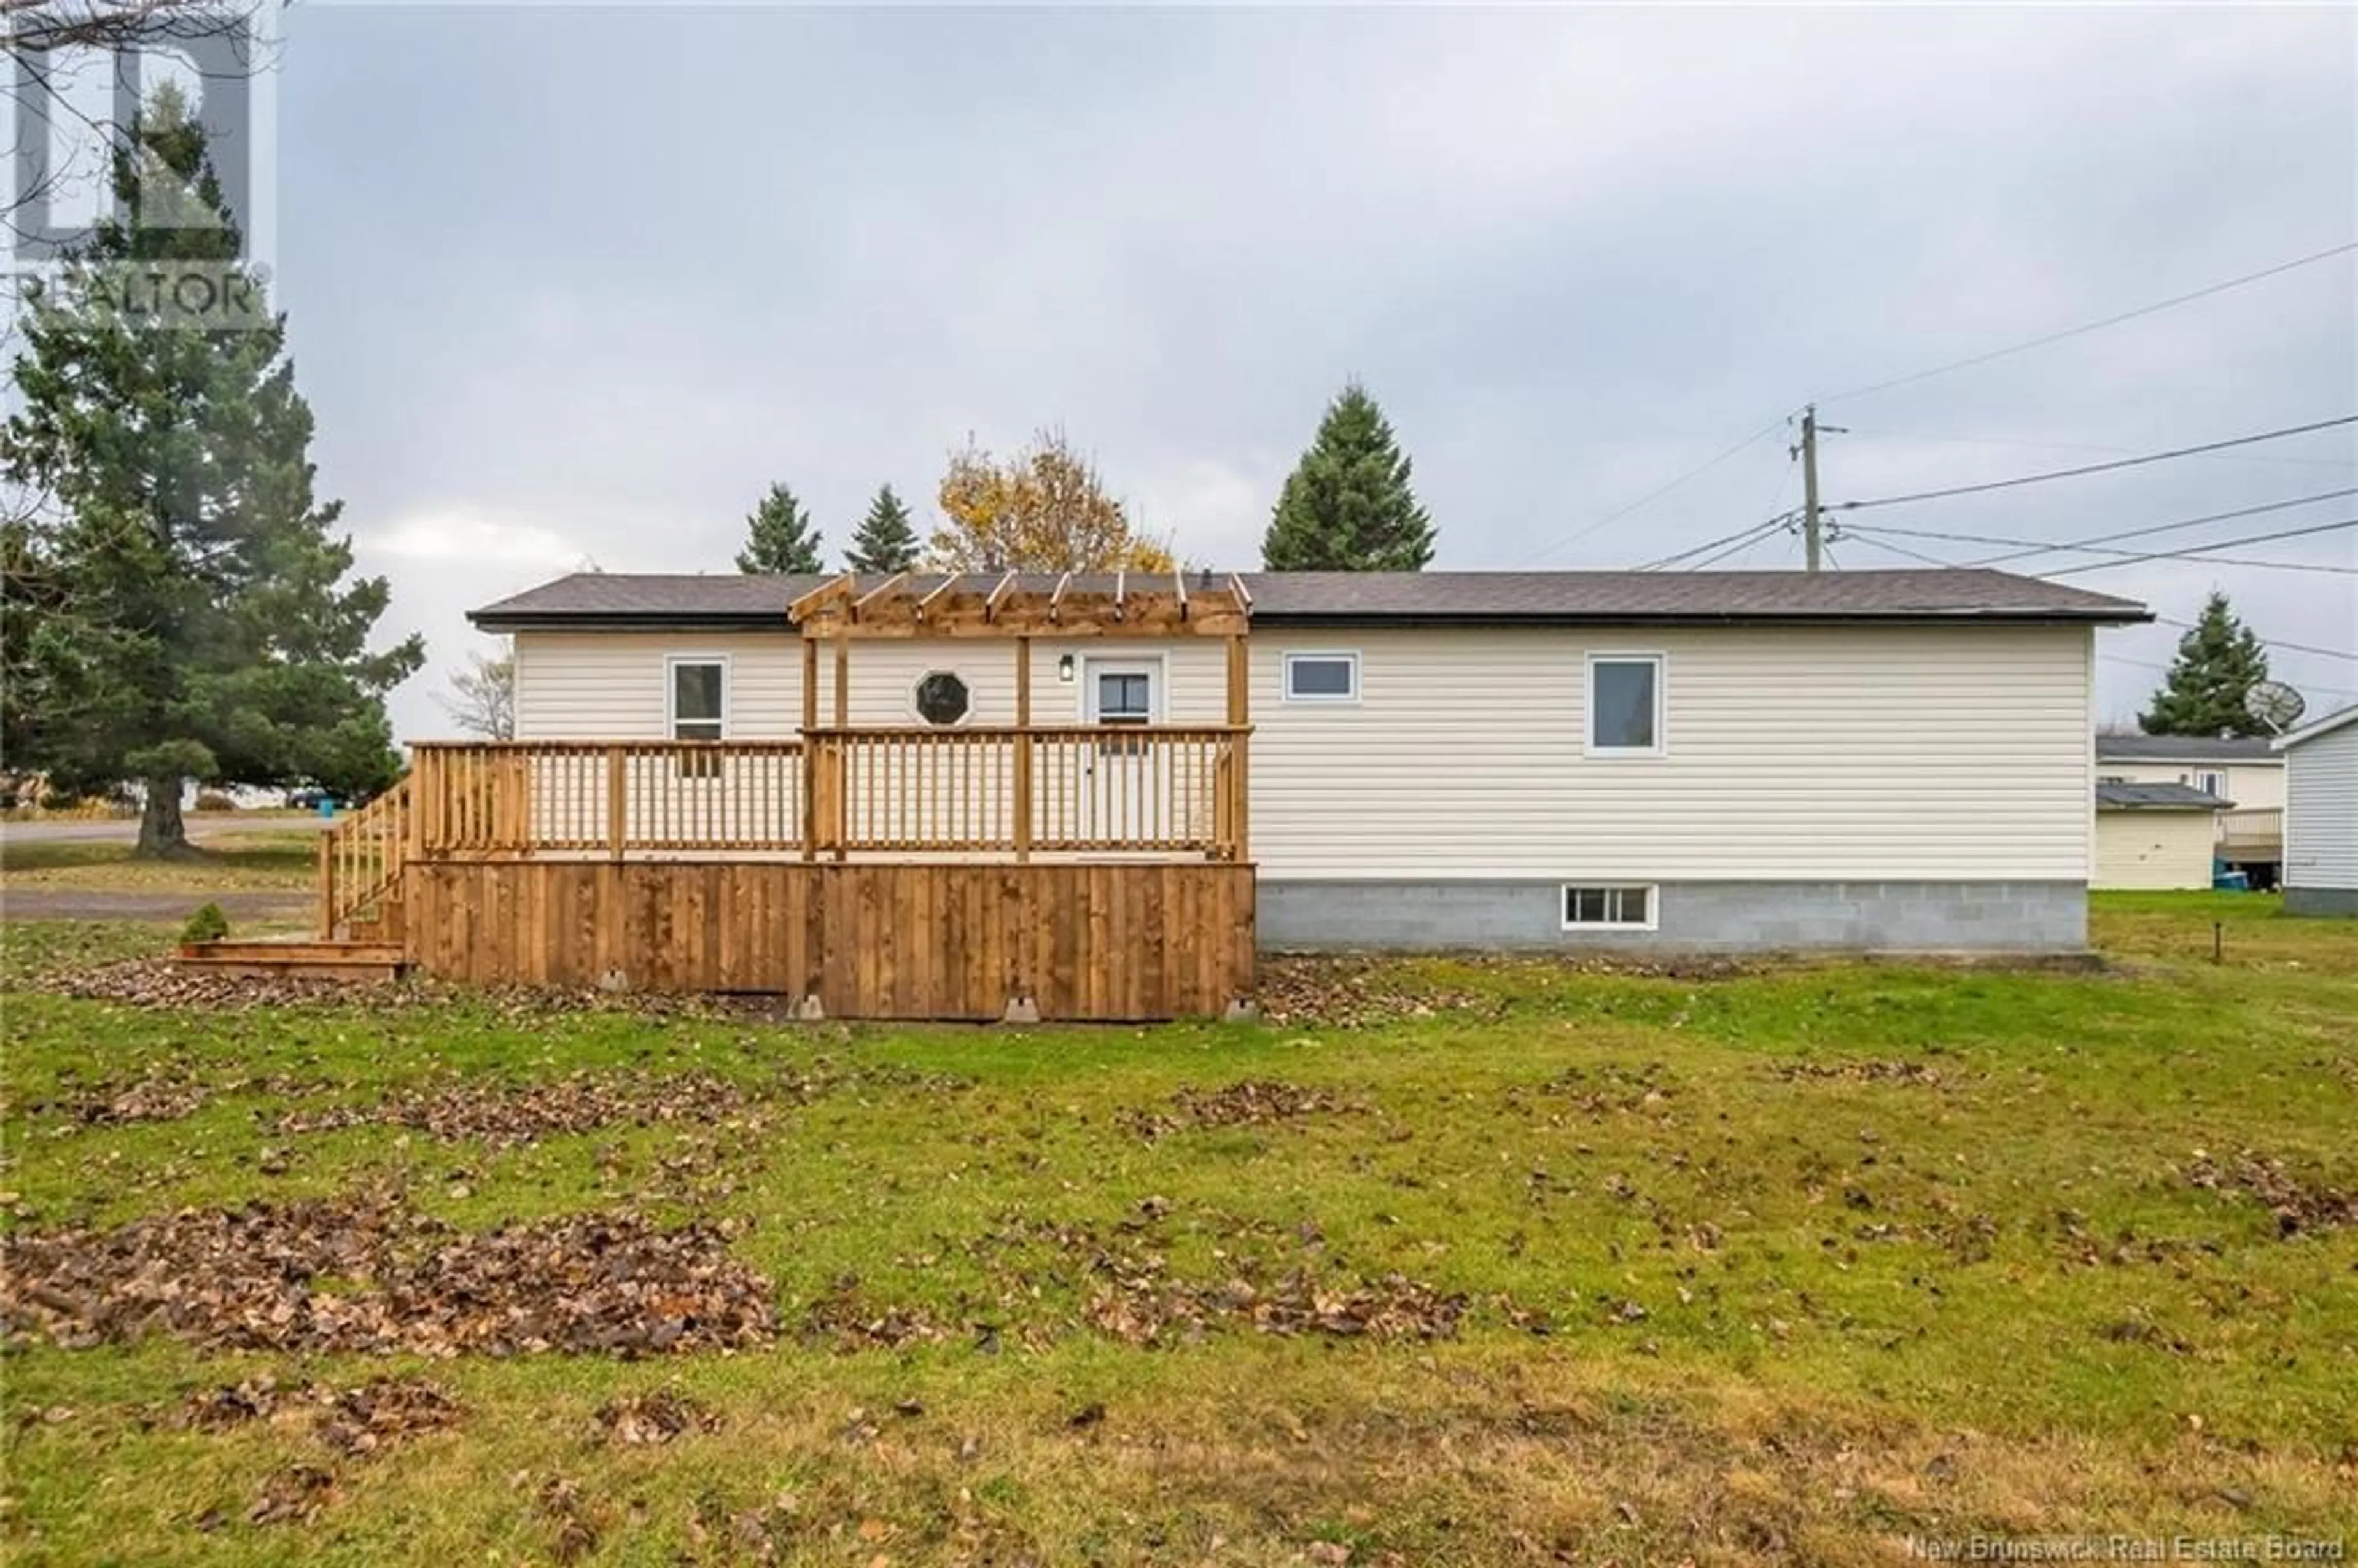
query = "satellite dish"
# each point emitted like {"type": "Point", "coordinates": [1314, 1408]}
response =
{"type": "Point", "coordinates": [2274, 704]}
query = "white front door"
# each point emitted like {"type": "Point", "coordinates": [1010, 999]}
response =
{"type": "Point", "coordinates": [1119, 790]}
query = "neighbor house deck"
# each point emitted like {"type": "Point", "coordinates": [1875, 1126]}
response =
{"type": "Point", "coordinates": [1058, 871]}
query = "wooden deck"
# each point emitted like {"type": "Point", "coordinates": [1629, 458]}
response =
{"type": "Point", "coordinates": [963, 871]}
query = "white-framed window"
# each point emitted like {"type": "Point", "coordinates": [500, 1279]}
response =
{"type": "Point", "coordinates": [696, 695]}
{"type": "Point", "coordinates": [1609, 906]}
{"type": "Point", "coordinates": [1625, 705]}
{"type": "Point", "coordinates": [1321, 677]}
{"type": "Point", "coordinates": [2208, 783]}
{"type": "Point", "coordinates": [941, 697]}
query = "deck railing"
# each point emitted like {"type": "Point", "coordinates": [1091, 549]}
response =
{"type": "Point", "coordinates": [2257, 829]}
{"type": "Point", "coordinates": [361, 857]}
{"type": "Point", "coordinates": [1048, 789]}
{"type": "Point", "coordinates": [1011, 790]}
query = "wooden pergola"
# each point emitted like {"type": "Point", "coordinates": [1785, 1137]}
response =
{"type": "Point", "coordinates": [1018, 607]}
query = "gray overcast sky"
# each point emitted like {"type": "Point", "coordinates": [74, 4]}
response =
{"type": "Point", "coordinates": [572, 282]}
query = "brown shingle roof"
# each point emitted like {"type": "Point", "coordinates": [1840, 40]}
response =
{"type": "Point", "coordinates": [1426, 597]}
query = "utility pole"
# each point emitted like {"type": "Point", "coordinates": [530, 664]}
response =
{"type": "Point", "coordinates": [1812, 537]}
{"type": "Point", "coordinates": [1813, 542]}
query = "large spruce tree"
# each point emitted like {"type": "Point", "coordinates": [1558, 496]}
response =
{"type": "Point", "coordinates": [2217, 661]}
{"type": "Point", "coordinates": [1347, 505]}
{"type": "Point", "coordinates": [176, 604]}
{"type": "Point", "coordinates": [779, 536]}
{"type": "Point", "coordinates": [885, 541]}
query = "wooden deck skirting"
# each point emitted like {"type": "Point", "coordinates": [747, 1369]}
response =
{"type": "Point", "coordinates": [864, 939]}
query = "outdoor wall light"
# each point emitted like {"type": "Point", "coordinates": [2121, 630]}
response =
{"type": "Point", "coordinates": [1065, 668]}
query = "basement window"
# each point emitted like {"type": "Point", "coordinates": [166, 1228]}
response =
{"type": "Point", "coordinates": [1321, 677]}
{"type": "Point", "coordinates": [1617, 907]}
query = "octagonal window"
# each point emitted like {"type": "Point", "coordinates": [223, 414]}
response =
{"type": "Point", "coordinates": [942, 698]}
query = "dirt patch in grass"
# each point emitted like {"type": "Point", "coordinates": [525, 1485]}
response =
{"type": "Point", "coordinates": [2298, 1205]}
{"type": "Point", "coordinates": [368, 1275]}
{"type": "Point", "coordinates": [1255, 1102]}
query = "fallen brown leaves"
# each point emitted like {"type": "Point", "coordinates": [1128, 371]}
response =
{"type": "Point", "coordinates": [1358, 992]}
{"type": "Point", "coordinates": [1254, 1102]}
{"type": "Point", "coordinates": [367, 1275]}
{"type": "Point", "coordinates": [641, 1419]}
{"type": "Point", "coordinates": [356, 1422]}
{"type": "Point", "coordinates": [509, 1115]}
{"type": "Point", "coordinates": [158, 1095]}
{"type": "Point", "coordinates": [1888, 1071]}
{"type": "Point", "coordinates": [1143, 1306]}
{"type": "Point", "coordinates": [2297, 1205]}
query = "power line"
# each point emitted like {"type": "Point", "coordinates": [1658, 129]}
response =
{"type": "Point", "coordinates": [2291, 647]}
{"type": "Point", "coordinates": [2098, 468]}
{"type": "Point", "coordinates": [2130, 558]}
{"type": "Point", "coordinates": [1734, 550]}
{"type": "Point", "coordinates": [2040, 342]}
{"type": "Point", "coordinates": [1867, 538]}
{"type": "Point", "coordinates": [1653, 495]}
{"type": "Point", "coordinates": [2271, 642]}
{"type": "Point", "coordinates": [2092, 447]}
{"type": "Point", "coordinates": [2150, 665]}
{"type": "Point", "coordinates": [2164, 527]}
{"type": "Point", "coordinates": [1747, 534]}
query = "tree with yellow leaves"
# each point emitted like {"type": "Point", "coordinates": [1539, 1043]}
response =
{"type": "Point", "coordinates": [1044, 510]}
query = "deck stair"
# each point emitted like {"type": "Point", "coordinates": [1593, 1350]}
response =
{"type": "Point", "coordinates": [306, 958]}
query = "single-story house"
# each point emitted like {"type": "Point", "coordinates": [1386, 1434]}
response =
{"type": "Point", "coordinates": [1895, 761]}
{"type": "Point", "coordinates": [2320, 865]}
{"type": "Point", "coordinates": [2245, 769]}
{"type": "Point", "coordinates": [2154, 835]}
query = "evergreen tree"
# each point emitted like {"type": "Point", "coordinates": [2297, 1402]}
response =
{"type": "Point", "coordinates": [1347, 505]}
{"type": "Point", "coordinates": [178, 607]}
{"type": "Point", "coordinates": [779, 536]}
{"type": "Point", "coordinates": [885, 542]}
{"type": "Point", "coordinates": [2218, 661]}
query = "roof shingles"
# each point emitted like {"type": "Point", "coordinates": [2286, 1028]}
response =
{"type": "Point", "coordinates": [1464, 598]}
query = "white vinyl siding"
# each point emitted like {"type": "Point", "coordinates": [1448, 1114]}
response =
{"type": "Point", "coordinates": [2151, 848]}
{"type": "Point", "coordinates": [612, 685]}
{"type": "Point", "coordinates": [2322, 811]}
{"type": "Point", "coordinates": [1914, 752]}
{"type": "Point", "coordinates": [2251, 785]}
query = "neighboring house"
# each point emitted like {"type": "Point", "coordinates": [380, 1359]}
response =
{"type": "Point", "coordinates": [1863, 760]}
{"type": "Point", "coordinates": [2320, 864]}
{"type": "Point", "coordinates": [2250, 837]}
{"type": "Point", "coordinates": [2154, 835]}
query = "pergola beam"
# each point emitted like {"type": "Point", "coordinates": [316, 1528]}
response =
{"type": "Point", "coordinates": [954, 606]}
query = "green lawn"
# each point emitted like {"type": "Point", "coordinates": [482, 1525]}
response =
{"type": "Point", "coordinates": [1541, 1265]}
{"type": "Point", "coordinates": [230, 860]}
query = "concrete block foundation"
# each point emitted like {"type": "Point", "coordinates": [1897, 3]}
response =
{"type": "Point", "coordinates": [1727, 917]}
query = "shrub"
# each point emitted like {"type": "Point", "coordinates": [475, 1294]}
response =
{"type": "Point", "coordinates": [60, 800]}
{"type": "Point", "coordinates": [214, 800]}
{"type": "Point", "coordinates": [207, 924]}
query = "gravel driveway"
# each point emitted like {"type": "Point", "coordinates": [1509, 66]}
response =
{"type": "Point", "coordinates": [105, 904]}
